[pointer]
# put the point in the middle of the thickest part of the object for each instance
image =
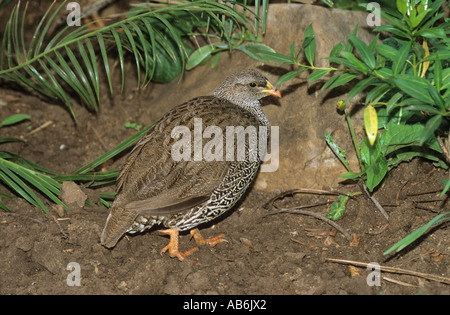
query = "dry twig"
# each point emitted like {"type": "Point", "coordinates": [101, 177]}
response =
{"type": "Point", "coordinates": [298, 210]}
{"type": "Point", "coordinates": [394, 270]}
{"type": "Point", "coordinates": [315, 215]}
{"type": "Point", "coordinates": [44, 125]}
{"type": "Point", "coordinates": [375, 201]}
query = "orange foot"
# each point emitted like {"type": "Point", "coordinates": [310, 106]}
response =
{"type": "Point", "coordinates": [195, 233]}
{"type": "Point", "coordinates": [173, 247]}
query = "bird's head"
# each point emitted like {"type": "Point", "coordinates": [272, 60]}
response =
{"type": "Point", "coordinates": [245, 88]}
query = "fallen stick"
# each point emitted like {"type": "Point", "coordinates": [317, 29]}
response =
{"type": "Point", "coordinates": [393, 270]}
{"type": "Point", "coordinates": [315, 215]}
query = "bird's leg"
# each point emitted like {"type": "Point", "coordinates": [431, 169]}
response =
{"type": "Point", "coordinates": [195, 233]}
{"type": "Point", "coordinates": [97, 21]}
{"type": "Point", "coordinates": [173, 246]}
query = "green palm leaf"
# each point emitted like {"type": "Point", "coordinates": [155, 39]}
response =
{"type": "Point", "coordinates": [67, 64]}
{"type": "Point", "coordinates": [71, 62]}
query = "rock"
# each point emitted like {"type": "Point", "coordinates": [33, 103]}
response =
{"type": "Point", "coordinates": [72, 195]}
{"type": "Point", "coordinates": [46, 254]}
{"type": "Point", "coordinates": [304, 113]}
{"type": "Point", "coordinates": [24, 243]}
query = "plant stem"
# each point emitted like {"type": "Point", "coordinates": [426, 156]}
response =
{"type": "Point", "coordinates": [375, 201]}
{"type": "Point", "coordinates": [355, 142]}
{"type": "Point", "coordinates": [318, 68]}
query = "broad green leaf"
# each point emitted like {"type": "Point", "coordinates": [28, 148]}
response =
{"type": "Point", "coordinates": [419, 18]}
{"type": "Point", "coordinates": [14, 119]}
{"type": "Point", "coordinates": [338, 208]}
{"type": "Point", "coordinates": [392, 29]}
{"type": "Point", "coordinates": [316, 75]}
{"type": "Point", "coordinates": [344, 62]}
{"type": "Point", "coordinates": [374, 42]}
{"type": "Point", "coordinates": [436, 32]}
{"type": "Point", "coordinates": [309, 44]}
{"type": "Point", "coordinates": [336, 51]}
{"type": "Point", "coordinates": [348, 46]}
{"type": "Point", "coordinates": [442, 54]}
{"type": "Point", "coordinates": [414, 86]}
{"type": "Point", "coordinates": [375, 164]}
{"type": "Point", "coordinates": [401, 7]}
{"type": "Point", "coordinates": [289, 76]}
{"type": "Point", "coordinates": [360, 87]}
{"type": "Point", "coordinates": [376, 172]}
{"type": "Point", "coordinates": [436, 96]}
{"type": "Point", "coordinates": [363, 50]}
{"type": "Point", "coordinates": [393, 101]}
{"type": "Point", "coordinates": [377, 92]}
{"type": "Point", "coordinates": [397, 136]}
{"type": "Point", "coordinates": [400, 58]}
{"type": "Point", "coordinates": [430, 127]}
{"type": "Point", "coordinates": [263, 53]}
{"type": "Point", "coordinates": [292, 51]}
{"type": "Point", "coordinates": [199, 56]}
{"type": "Point", "coordinates": [384, 73]}
{"type": "Point", "coordinates": [338, 80]}
{"type": "Point", "coordinates": [215, 60]}
{"type": "Point", "coordinates": [438, 74]}
{"type": "Point", "coordinates": [420, 108]}
{"type": "Point", "coordinates": [356, 62]}
{"type": "Point", "coordinates": [387, 51]}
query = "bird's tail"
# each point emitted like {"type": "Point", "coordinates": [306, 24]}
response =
{"type": "Point", "coordinates": [117, 223]}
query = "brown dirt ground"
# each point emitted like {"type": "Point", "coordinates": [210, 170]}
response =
{"type": "Point", "coordinates": [276, 254]}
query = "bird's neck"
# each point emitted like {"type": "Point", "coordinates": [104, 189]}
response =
{"type": "Point", "coordinates": [258, 112]}
{"type": "Point", "coordinates": [253, 106]}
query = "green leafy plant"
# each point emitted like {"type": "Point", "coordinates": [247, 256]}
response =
{"type": "Point", "coordinates": [407, 83]}
{"type": "Point", "coordinates": [19, 174]}
{"type": "Point", "coordinates": [134, 126]}
{"type": "Point", "coordinates": [71, 61]}
{"type": "Point", "coordinates": [441, 218]}
{"type": "Point", "coordinates": [59, 65]}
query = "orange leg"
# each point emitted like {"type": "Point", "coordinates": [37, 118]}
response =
{"type": "Point", "coordinates": [98, 21]}
{"type": "Point", "coordinates": [173, 247]}
{"type": "Point", "coordinates": [195, 233]}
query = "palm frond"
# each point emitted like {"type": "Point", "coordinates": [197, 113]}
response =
{"type": "Point", "coordinates": [72, 62]}
{"type": "Point", "coordinates": [19, 174]}
{"type": "Point", "coordinates": [69, 64]}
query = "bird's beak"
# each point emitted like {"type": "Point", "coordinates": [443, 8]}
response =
{"type": "Point", "coordinates": [270, 90]}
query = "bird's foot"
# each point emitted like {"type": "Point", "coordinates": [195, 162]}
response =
{"type": "Point", "coordinates": [195, 233]}
{"type": "Point", "coordinates": [173, 246]}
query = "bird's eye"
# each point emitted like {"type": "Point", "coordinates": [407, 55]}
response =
{"type": "Point", "coordinates": [253, 84]}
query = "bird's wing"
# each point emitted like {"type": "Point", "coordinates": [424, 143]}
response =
{"type": "Point", "coordinates": [152, 182]}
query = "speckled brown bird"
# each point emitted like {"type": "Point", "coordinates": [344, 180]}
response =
{"type": "Point", "coordinates": [154, 187]}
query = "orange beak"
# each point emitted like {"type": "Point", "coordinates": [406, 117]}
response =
{"type": "Point", "coordinates": [271, 90]}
